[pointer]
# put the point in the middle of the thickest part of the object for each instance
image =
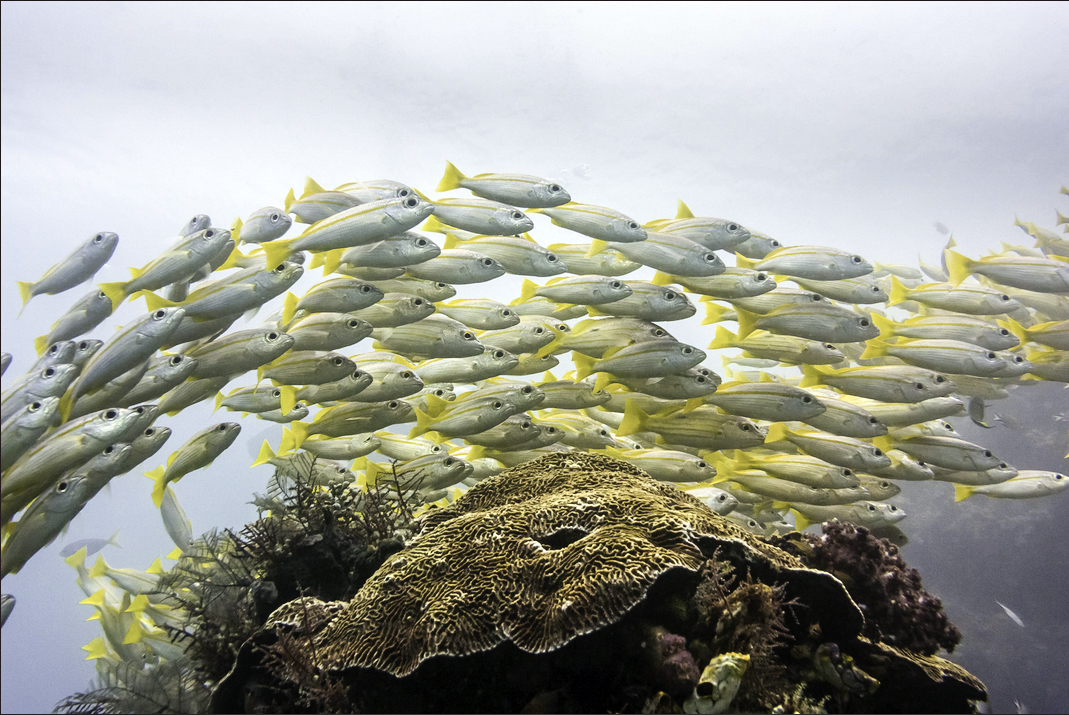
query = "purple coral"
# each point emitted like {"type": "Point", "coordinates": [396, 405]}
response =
{"type": "Point", "coordinates": [898, 610]}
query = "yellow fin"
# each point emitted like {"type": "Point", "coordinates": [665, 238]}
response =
{"type": "Point", "coordinates": [278, 251]}
{"type": "Point", "coordinates": [96, 648]}
{"type": "Point", "coordinates": [300, 432]}
{"type": "Point", "coordinates": [874, 348]}
{"type": "Point", "coordinates": [433, 224]}
{"type": "Point", "coordinates": [962, 491]}
{"type": "Point", "coordinates": [288, 441]}
{"type": "Point", "coordinates": [311, 187]}
{"type": "Point", "coordinates": [331, 261]}
{"type": "Point", "coordinates": [451, 241]}
{"type": "Point", "coordinates": [742, 261]}
{"type": "Point", "coordinates": [747, 321]}
{"type": "Point", "coordinates": [724, 338]}
{"type": "Point", "coordinates": [289, 398]}
{"type": "Point", "coordinates": [777, 432]}
{"type": "Point", "coordinates": [634, 419]}
{"type": "Point", "coordinates": [958, 267]}
{"type": "Point", "coordinates": [682, 210]}
{"type": "Point", "coordinates": [451, 179]}
{"type": "Point", "coordinates": [156, 567]}
{"type": "Point", "coordinates": [235, 231]}
{"type": "Point", "coordinates": [289, 308]}
{"type": "Point", "coordinates": [899, 292]}
{"type": "Point", "coordinates": [290, 200]}
{"type": "Point", "coordinates": [584, 365]}
{"type": "Point", "coordinates": [116, 293]}
{"type": "Point", "coordinates": [527, 291]}
{"type": "Point", "coordinates": [596, 247]}
{"type": "Point", "coordinates": [266, 454]}
{"type": "Point", "coordinates": [99, 569]}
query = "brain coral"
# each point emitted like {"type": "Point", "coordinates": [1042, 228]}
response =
{"type": "Point", "coordinates": [539, 555]}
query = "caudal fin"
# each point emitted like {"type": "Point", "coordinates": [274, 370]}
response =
{"type": "Point", "coordinates": [451, 179]}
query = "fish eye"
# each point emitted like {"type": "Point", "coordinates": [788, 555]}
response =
{"type": "Point", "coordinates": [710, 258]}
{"type": "Point", "coordinates": [488, 262]}
{"type": "Point", "coordinates": [551, 257]}
{"type": "Point", "coordinates": [1018, 359]}
{"type": "Point", "coordinates": [417, 301]}
{"type": "Point", "coordinates": [687, 350]}
{"type": "Point", "coordinates": [102, 294]}
{"type": "Point", "coordinates": [872, 507]}
{"type": "Point", "coordinates": [272, 336]}
{"type": "Point", "coordinates": [746, 428]}
{"type": "Point", "coordinates": [733, 227]}
{"type": "Point", "coordinates": [829, 346]}
{"type": "Point", "coordinates": [527, 390]}
{"type": "Point", "coordinates": [847, 472]}
{"type": "Point", "coordinates": [539, 330]}
{"type": "Point", "coordinates": [448, 462]}
{"type": "Point", "coordinates": [149, 431]}
{"type": "Point", "coordinates": [421, 242]}
{"type": "Point", "coordinates": [807, 399]}
{"type": "Point", "coordinates": [669, 295]}
{"type": "Point", "coordinates": [34, 406]}
{"type": "Point", "coordinates": [517, 215]}
{"type": "Point", "coordinates": [700, 379]}
{"type": "Point", "coordinates": [774, 243]}
{"type": "Point", "coordinates": [875, 289]}
{"type": "Point", "coordinates": [357, 374]}
{"type": "Point", "coordinates": [209, 233]}
{"type": "Point", "coordinates": [62, 486]}
{"type": "Point", "coordinates": [554, 188]}
{"type": "Point", "coordinates": [280, 267]}
{"type": "Point", "coordinates": [401, 193]}
{"type": "Point", "coordinates": [222, 427]}
{"type": "Point", "coordinates": [498, 405]}
{"type": "Point", "coordinates": [109, 449]}
{"type": "Point", "coordinates": [615, 284]}
{"type": "Point", "coordinates": [940, 378]}
{"type": "Point", "coordinates": [876, 451]}
{"type": "Point", "coordinates": [816, 297]}
{"type": "Point", "coordinates": [365, 288]}
{"type": "Point", "coordinates": [98, 238]}
{"type": "Point", "coordinates": [49, 372]}
{"type": "Point", "coordinates": [864, 322]}
{"type": "Point", "coordinates": [1003, 332]}
{"type": "Point", "coordinates": [274, 217]}
{"type": "Point", "coordinates": [111, 414]}
{"type": "Point", "coordinates": [603, 433]}
{"type": "Point", "coordinates": [632, 225]}
{"type": "Point", "coordinates": [159, 314]}
{"type": "Point", "coordinates": [83, 345]}
{"type": "Point", "coordinates": [873, 421]}
{"type": "Point", "coordinates": [1004, 297]}
{"type": "Point", "coordinates": [54, 349]}
{"type": "Point", "coordinates": [411, 202]}
{"type": "Point", "coordinates": [353, 323]}
{"type": "Point", "coordinates": [506, 313]}
{"type": "Point", "coordinates": [988, 453]}
{"type": "Point", "coordinates": [702, 465]}
{"type": "Point", "coordinates": [884, 484]}
{"type": "Point", "coordinates": [856, 259]}
{"type": "Point", "coordinates": [337, 362]}
{"type": "Point", "coordinates": [498, 354]}
{"type": "Point", "coordinates": [393, 404]}
{"type": "Point", "coordinates": [276, 392]}
{"type": "Point", "coordinates": [468, 335]}
{"type": "Point", "coordinates": [760, 277]}
{"type": "Point", "coordinates": [991, 356]}
{"type": "Point", "coordinates": [406, 374]}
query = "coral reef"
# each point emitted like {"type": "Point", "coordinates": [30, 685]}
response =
{"type": "Point", "coordinates": [898, 611]}
{"type": "Point", "coordinates": [572, 583]}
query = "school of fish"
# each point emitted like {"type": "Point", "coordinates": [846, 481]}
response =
{"type": "Point", "coordinates": [833, 386]}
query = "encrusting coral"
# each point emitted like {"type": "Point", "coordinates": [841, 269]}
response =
{"type": "Point", "coordinates": [577, 583]}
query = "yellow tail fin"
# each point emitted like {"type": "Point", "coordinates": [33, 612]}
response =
{"type": "Point", "coordinates": [451, 179]}
{"type": "Point", "coordinates": [962, 491]}
{"type": "Point", "coordinates": [584, 365]}
{"type": "Point", "coordinates": [899, 292]}
{"type": "Point", "coordinates": [266, 454]}
{"type": "Point", "coordinates": [634, 419]}
{"type": "Point", "coordinates": [25, 292]}
{"type": "Point", "coordinates": [958, 266]}
{"type": "Point", "coordinates": [723, 338]}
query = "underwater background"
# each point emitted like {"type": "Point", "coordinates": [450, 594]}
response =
{"type": "Point", "coordinates": [857, 127]}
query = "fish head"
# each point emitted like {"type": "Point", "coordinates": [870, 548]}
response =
{"type": "Point", "coordinates": [625, 230]}
{"type": "Point", "coordinates": [511, 221]}
{"type": "Point", "coordinates": [85, 349]}
{"type": "Point", "coordinates": [58, 353]}
{"type": "Point", "coordinates": [547, 194]}
{"type": "Point", "coordinates": [408, 211]}
{"type": "Point", "coordinates": [265, 224]}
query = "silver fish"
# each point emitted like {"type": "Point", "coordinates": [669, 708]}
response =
{"type": "Point", "coordinates": [81, 265]}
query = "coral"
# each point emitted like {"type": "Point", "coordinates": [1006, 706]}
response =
{"type": "Point", "coordinates": [573, 583]}
{"type": "Point", "coordinates": [538, 555]}
{"type": "Point", "coordinates": [898, 611]}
